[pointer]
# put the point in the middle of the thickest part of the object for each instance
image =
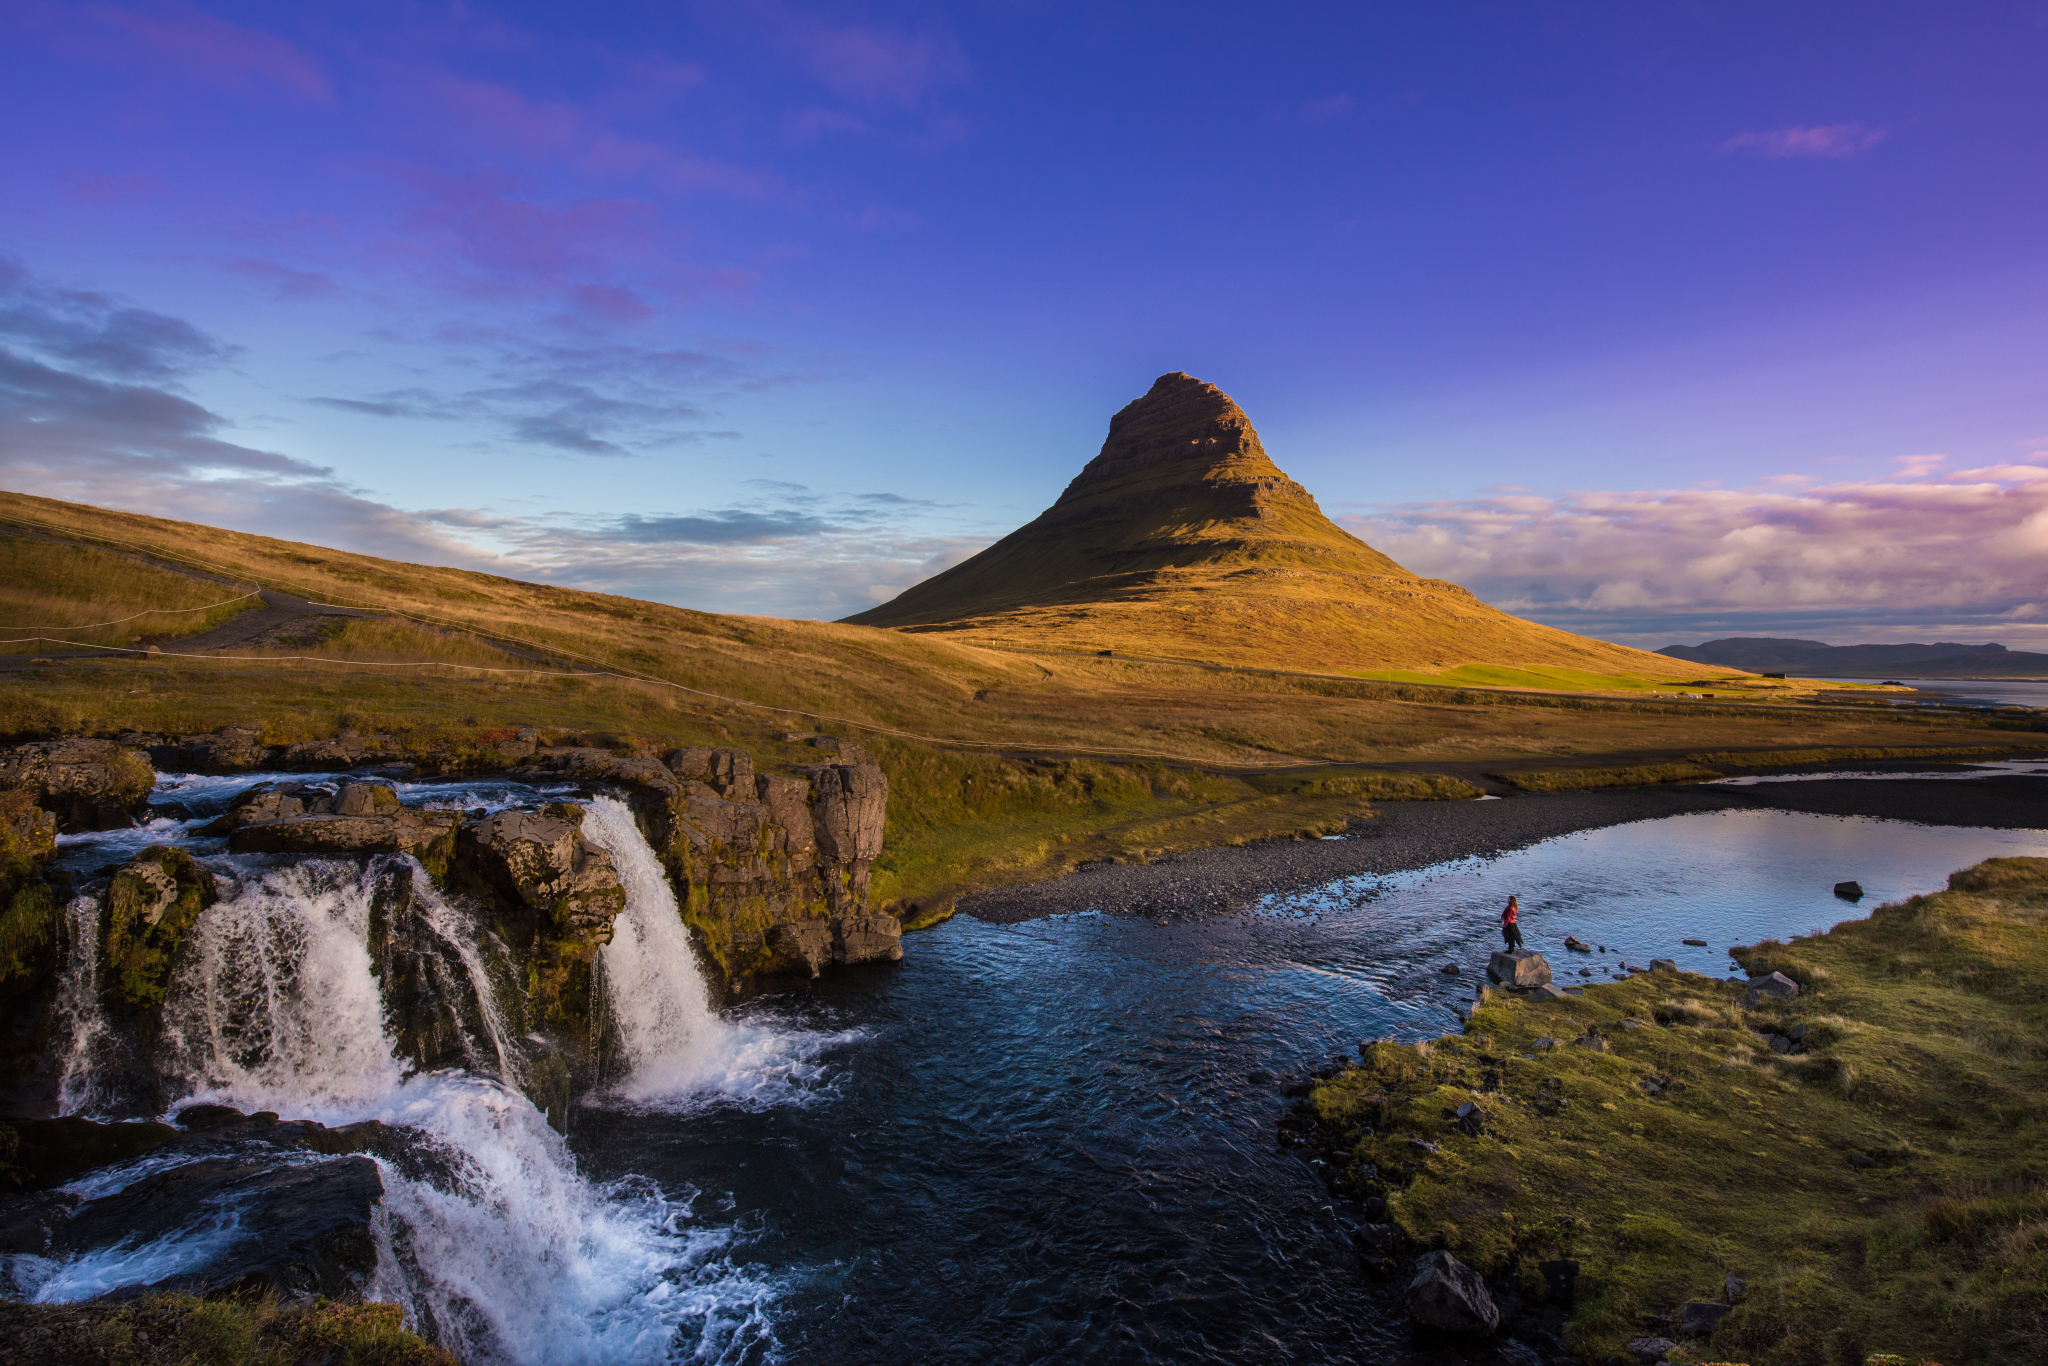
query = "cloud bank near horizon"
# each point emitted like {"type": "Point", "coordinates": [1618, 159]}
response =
{"type": "Point", "coordinates": [1921, 556]}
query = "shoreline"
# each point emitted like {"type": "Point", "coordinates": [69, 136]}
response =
{"type": "Point", "coordinates": [1403, 836]}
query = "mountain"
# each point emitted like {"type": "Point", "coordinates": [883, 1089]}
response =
{"type": "Point", "coordinates": [1943, 659]}
{"type": "Point", "coordinates": [1183, 539]}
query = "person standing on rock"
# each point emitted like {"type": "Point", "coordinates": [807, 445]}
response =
{"type": "Point", "coordinates": [1509, 929]}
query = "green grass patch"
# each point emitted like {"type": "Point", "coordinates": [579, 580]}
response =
{"type": "Point", "coordinates": [1883, 1191]}
{"type": "Point", "coordinates": [181, 1330]}
{"type": "Point", "coordinates": [1374, 785]}
{"type": "Point", "coordinates": [1574, 779]}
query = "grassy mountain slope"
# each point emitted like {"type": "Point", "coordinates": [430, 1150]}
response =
{"type": "Point", "coordinates": [1182, 539]}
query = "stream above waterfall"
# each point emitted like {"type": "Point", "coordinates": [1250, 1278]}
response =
{"type": "Point", "coordinates": [1050, 1140]}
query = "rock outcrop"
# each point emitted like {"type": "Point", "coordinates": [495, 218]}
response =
{"type": "Point", "coordinates": [541, 861]}
{"type": "Point", "coordinates": [362, 818]}
{"type": "Point", "coordinates": [85, 784]}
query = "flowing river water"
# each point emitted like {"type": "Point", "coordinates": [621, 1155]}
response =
{"type": "Point", "coordinates": [1045, 1141]}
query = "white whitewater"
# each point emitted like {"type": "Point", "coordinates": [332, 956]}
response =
{"type": "Point", "coordinates": [676, 1048]}
{"type": "Point", "coordinates": [519, 1258]}
{"type": "Point", "coordinates": [78, 1006]}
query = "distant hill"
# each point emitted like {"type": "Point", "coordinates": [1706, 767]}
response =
{"type": "Point", "coordinates": [1183, 539]}
{"type": "Point", "coordinates": [1943, 659]}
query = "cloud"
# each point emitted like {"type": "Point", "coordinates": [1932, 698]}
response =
{"type": "Point", "coordinates": [1323, 111]}
{"type": "Point", "coordinates": [871, 65]}
{"type": "Point", "coordinates": [1822, 140]}
{"type": "Point", "coordinates": [729, 527]}
{"type": "Point", "coordinates": [186, 44]}
{"type": "Point", "coordinates": [1967, 545]}
{"type": "Point", "coordinates": [287, 282]}
{"type": "Point", "coordinates": [98, 334]}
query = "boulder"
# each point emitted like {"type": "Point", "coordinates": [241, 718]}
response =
{"type": "Point", "coordinates": [1518, 968]}
{"type": "Point", "coordinates": [1663, 965]}
{"type": "Point", "coordinates": [541, 860]}
{"type": "Point", "coordinates": [1577, 945]}
{"type": "Point", "coordinates": [1451, 1297]}
{"type": "Point", "coordinates": [1591, 1041]}
{"type": "Point", "coordinates": [1547, 992]}
{"type": "Point", "coordinates": [86, 784]}
{"type": "Point", "coordinates": [1449, 969]}
{"type": "Point", "coordinates": [1733, 1288]}
{"type": "Point", "coordinates": [276, 802]}
{"type": "Point", "coordinates": [1776, 986]}
{"type": "Point", "coordinates": [1651, 1349]}
{"type": "Point", "coordinates": [1695, 943]}
{"type": "Point", "coordinates": [362, 818]}
{"type": "Point", "coordinates": [1849, 891]}
{"type": "Point", "coordinates": [151, 902]}
{"type": "Point", "coordinates": [296, 1229]}
{"type": "Point", "coordinates": [1699, 1318]}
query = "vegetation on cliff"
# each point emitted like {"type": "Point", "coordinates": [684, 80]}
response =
{"type": "Point", "coordinates": [1870, 1160]}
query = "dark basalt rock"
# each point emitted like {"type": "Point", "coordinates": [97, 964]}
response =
{"type": "Point", "coordinates": [299, 1229]}
{"type": "Point", "coordinates": [86, 784]}
{"type": "Point", "coordinates": [150, 904]}
{"type": "Point", "coordinates": [362, 818]}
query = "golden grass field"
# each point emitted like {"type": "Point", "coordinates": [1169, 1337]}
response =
{"type": "Point", "coordinates": [451, 651]}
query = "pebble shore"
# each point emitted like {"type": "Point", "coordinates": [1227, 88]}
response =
{"type": "Point", "coordinates": [1405, 835]}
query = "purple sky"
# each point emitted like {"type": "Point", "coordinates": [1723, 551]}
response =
{"type": "Point", "coordinates": [1660, 322]}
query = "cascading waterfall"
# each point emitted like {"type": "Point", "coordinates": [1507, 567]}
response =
{"type": "Point", "coordinates": [78, 1006]}
{"type": "Point", "coordinates": [675, 1045]}
{"type": "Point", "coordinates": [515, 1256]}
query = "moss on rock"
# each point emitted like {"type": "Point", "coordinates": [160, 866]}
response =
{"type": "Point", "coordinates": [151, 904]}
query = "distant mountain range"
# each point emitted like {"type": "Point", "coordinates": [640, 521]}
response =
{"type": "Point", "coordinates": [1943, 659]}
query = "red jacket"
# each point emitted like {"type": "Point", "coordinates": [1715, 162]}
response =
{"type": "Point", "coordinates": [1507, 917]}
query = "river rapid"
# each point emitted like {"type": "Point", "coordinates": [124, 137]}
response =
{"type": "Point", "coordinates": [1042, 1141]}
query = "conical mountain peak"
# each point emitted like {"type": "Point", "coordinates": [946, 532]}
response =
{"type": "Point", "coordinates": [1181, 539]}
{"type": "Point", "coordinates": [1180, 420]}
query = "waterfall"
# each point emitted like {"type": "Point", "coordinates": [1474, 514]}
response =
{"type": "Point", "coordinates": [79, 1090]}
{"type": "Point", "coordinates": [508, 1253]}
{"type": "Point", "coordinates": [677, 1049]}
{"type": "Point", "coordinates": [516, 1257]}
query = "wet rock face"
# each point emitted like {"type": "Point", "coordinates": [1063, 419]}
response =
{"type": "Point", "coordinates": [254, 1213]}
{"type": "Point", "coordinates": [772, 869]}
{"type": "Point", "coordinates": [86, 784]}
{"type": "Point", "coordinates": [541, 860]}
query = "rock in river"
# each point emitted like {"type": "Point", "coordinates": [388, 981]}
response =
{"type": "Point", "coordinates": [1519, 968]}
{"type": "Point", "coordinates": [1450, 1296]}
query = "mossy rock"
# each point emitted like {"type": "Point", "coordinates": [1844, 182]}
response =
{"type": "Point", "coordinates": [151, 905]}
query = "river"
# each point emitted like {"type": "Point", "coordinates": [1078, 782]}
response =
{"type": "Point", "coordinates": [1044, 1141]}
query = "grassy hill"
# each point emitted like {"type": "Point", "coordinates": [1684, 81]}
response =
{"type": "Point", "coordinates": [1004, 765]}
{"type": "Point", "coordinates": [1182, 539]}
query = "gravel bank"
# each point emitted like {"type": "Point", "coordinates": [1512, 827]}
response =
{"type": "Point", "coordinates": [1408, 835]}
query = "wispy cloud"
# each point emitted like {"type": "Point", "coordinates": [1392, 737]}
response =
{"type": "Point", "coordinates": [184, 44]}
{"type": "Point", "coordinates": [1969, 544]}
{"type": "Point", "coordinates": [1820, 140]}
{"type": "Point", "coordinates": [1325, 110]}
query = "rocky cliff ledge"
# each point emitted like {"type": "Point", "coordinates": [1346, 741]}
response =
{"type": "Point", "coordinates": [771, 871]}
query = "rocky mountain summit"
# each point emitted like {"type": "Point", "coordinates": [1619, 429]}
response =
{"type": "Point", "coordinates": [1182, 539]}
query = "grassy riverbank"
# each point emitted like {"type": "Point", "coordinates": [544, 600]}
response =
{"type": "Point", "coordinates": [180, 1330]}
{"type": "Point", "coordinates": [1884, 1190]}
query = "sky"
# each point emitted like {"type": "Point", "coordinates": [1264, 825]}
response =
{"type": "Point", "coordinates": [1656, 322]}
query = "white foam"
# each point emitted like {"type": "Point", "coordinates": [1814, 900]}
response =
{"type": "Point", "coordinates": [677, 1049]}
